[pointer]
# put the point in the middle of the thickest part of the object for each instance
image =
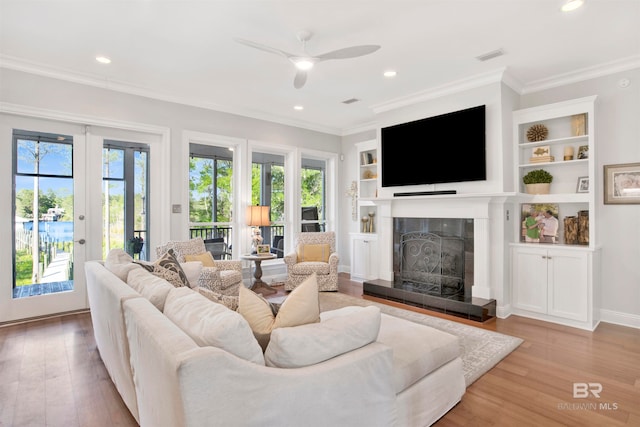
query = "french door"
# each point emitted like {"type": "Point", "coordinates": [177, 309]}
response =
{"type": "Point", "coordinates": [48, 240]}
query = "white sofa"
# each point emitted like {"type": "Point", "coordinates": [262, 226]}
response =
{"type": "Point", "coordinates": [407, 375]}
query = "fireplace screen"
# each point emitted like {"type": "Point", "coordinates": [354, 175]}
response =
{"type": "Point", "coordinates": [432, 263]}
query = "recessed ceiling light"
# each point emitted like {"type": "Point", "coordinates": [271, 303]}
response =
{"type": "Point", "coordinates": [390, 73]}
{"type": "Point", "coordinates": [298, 107]}
{"type": "Point", "coordinates": [103, 60]}
{"type": "Point", "coordinates": [572, 5]}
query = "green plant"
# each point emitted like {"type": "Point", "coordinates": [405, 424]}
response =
{"type": "Point", "coordinates": [537, 176]}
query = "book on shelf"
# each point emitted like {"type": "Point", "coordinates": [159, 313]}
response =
{"type": "Point", "coordinates": [541, 159]}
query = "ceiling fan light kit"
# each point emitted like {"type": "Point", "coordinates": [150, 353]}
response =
{"type": "Point", "coordinates": [306, 62]}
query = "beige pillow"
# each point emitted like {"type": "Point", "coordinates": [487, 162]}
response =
{"type": "Point", "coordinates": [211, 324]}
{"type": "Point", "coordinates": [310, 253]}
{"type": "Point", "coordinates": [205, 258]}
{"type": "Point", "coordinates": [153, 288]}
{"type": "Point", "coordinates": [316, 342]}
{"type": "Point", "coordinates": [119, 263]}
{"type": "Point", "coordinates": [301, 307]}
{"type": "Point", "coordinates": [192, 270]}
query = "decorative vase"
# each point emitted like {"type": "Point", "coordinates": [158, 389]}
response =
{"type": "Point", "coordinates": [542, 188]}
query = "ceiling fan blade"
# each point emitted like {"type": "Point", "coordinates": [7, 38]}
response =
{"type": "Point", "coordinates": [349, 52]}
{"type": "Point", "coordinates": [263, 47]}
{"type": "Point", "coordinates": [300, 80]}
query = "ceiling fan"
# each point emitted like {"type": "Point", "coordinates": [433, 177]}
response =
{"type": "Point", "coordinates": [305, 61]}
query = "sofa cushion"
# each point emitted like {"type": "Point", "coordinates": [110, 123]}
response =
{"type": "Point", "coordinates": [313, 343]}
{"type": "Point", "coordinates": [168, 267]}
{"type": "Point", "coordinates": [301, 307]}
{"type": "Point", "coordinates": [119, 263]}
{"type": "Point", "coordinates": [313, 253]}
{"type": "Point", "coordinates": [153, 288]}
{"type": "Point", "coordinates": [212, 324]}
{"type": "Point", "coordinates": [205, 258]}
{"type": "Point", "coordinates": [418, 350]}
{"type": "Point", "coordinates": [192, 270]}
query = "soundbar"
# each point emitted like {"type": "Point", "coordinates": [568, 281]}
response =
{"type": "Point", "coordinates": [425, 193]}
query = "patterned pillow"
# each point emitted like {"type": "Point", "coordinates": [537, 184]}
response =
{"type": "Point", "coordinates": [229, 301]}
{"type": "Point", "coordinates": [169, 269]}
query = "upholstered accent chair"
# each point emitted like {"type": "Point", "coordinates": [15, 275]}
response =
{"type": "Point", "coordinates": [223, 277]}
{"type": "Point", "coordinates": [315, 253]}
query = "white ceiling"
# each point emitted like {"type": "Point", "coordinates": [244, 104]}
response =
{"type": "Point", "coordinates": [184, 51]}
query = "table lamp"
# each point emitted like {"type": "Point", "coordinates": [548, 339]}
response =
{"type": "Point", "coordinates": [257, 216]}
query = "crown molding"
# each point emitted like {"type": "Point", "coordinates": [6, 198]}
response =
{"type": "Point", "coordinates": [582, 74]}
{"type": "Point", "coordinates": [439, 91]}
{"type": "Point", "coordinates": [18, 64]}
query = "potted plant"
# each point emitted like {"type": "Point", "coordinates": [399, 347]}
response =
{"type": "Point", "coordinates": [537, 181]}
{"type": "Point", "coordinates": [134, 245]}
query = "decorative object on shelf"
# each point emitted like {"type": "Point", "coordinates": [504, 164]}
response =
{"type": "Point", "coordinates": [537, 181]}
{"type": "Point", "coordinates": [352, 192]}
{"type": "Point", "coordinates": [537, 132]}
{"type": "Point", "coordinates": [541, 154]}
{"type": "Point", "coordinates": [622, 184]}
{"type": "Point", "coordinates": [583, 152]}
{"type": "Point", "coordinates": [571, 230]}
{"type": "Point", "coordinates": [583, 227]}
{"type": "Point", "coordinates": [365, 224]}
{"type": "Point", "coordinates": [568, 152]}
{"type": "Point", "coordinates": [371, 215]}
{"type": "Point", "coordinates": [534, 219]}
{"type": "Point", "coordinates": [578, 124]}
{"type": "Point", "coordinates": [134, 245]}
{"type": "Point", "coordinates": [367, 174]}
{"type": "Point", "coordinates": [368, 159]}
{"type": "Point", "coordinates": [583, 185]}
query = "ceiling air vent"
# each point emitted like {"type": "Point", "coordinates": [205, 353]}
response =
{"type": "Point", "coordinates": [350, 101]}
{"type": "Point", "coordinates": [490, 55]}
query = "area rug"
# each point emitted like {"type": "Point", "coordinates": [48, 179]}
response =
{"type": "Point", "coordinates": [481, 349]}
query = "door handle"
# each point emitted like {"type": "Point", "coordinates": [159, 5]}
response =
{"type": "Point", "coordinates": [81, 241]}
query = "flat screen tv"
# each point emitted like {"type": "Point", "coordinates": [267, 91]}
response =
{"type": "Point", "coordinates": [435, 150]}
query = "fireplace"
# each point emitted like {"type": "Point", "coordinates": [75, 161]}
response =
{"type": "Point", "coordinates": [438, 259]}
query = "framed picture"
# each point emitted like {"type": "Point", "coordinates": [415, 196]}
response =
{"type": "Point", "coordinates": [583, 185]}
{"type": "Point", "coordinates": [263, 249]}
{"type": "Point", "coordinates": [583, 152]}
{"type": "Point", "coordinates": [622, 184]}
{"type": "Point", "coordinates": [539, 222]}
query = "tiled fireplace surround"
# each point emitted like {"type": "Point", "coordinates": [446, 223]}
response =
{"type": "Point", "coordinates": [477, 306]}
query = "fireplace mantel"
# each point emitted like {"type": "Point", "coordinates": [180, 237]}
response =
{"type": "Point", "coordinates": [468, 206]}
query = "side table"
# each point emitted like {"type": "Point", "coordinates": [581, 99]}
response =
{"type": "Point", "coordinates": [258, 284]}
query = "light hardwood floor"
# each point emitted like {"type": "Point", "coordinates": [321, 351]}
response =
{"type": "Point", "coordinates": [51, 375]}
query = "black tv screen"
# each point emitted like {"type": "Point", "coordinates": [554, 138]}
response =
{"type": "Point", "coordinates": [435, 150]}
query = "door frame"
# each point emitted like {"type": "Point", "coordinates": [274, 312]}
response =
{"type": "Point", "coordinates": [18, 116]}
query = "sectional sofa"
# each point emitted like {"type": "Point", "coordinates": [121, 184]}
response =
{"type": "Point", "coordinates": [180, 359]}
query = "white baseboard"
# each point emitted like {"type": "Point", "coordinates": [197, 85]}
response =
{"type": "Point", "coordinates": [618, 318]}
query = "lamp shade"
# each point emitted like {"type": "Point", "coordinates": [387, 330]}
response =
{"type": "Point", "coordinates": [258, 216]}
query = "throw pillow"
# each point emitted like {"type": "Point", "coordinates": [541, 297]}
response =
{"type": "Point", "coordinates": [205, 258]}
{"type": "Point", "coordinates": [229, 301]}
{"type": "Point", "coordinates": [211, 324]}
{"type": "Point", "coordinates": [192, 270]}
{"type": "Point", "coordinates": [314, 343]}
{"type": "Point", "coordinates": [313, 253]}
{"type": "Point", "coordinates": [169, 269]}
{"type": "Point", "coordinates": [301, 307]}
{"type": "Point", "coordinates": [119, 263]}
{"type": "Point", "coordinates": [153, 288]}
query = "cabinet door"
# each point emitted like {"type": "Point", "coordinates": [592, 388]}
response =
{"type": "Point", "coordinates": [363, 259]}
{"type": "Point", "coordinates": [530, 279]}
{"type": "Point", "coordinates": [568, 284]}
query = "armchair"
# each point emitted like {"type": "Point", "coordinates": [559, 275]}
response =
{"type": "Point", "coordinates": [224, 277]}
{"type": "Point", "coordinates": [315, 253]}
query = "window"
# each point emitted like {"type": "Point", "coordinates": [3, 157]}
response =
{"type": "Point", "coordinates": [313, 194]}
{"type": "Point", "coordinates": [267, 189]}
{"type": "Point", "coordinates": [211, 192]}
{"type": "Point", "coordinates": [125, 167]}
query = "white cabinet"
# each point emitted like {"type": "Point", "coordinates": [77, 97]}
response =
{"type": "Point", "coordinates": [555, 284]}
{"type": "Point", "coordinates": [364, 256]}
